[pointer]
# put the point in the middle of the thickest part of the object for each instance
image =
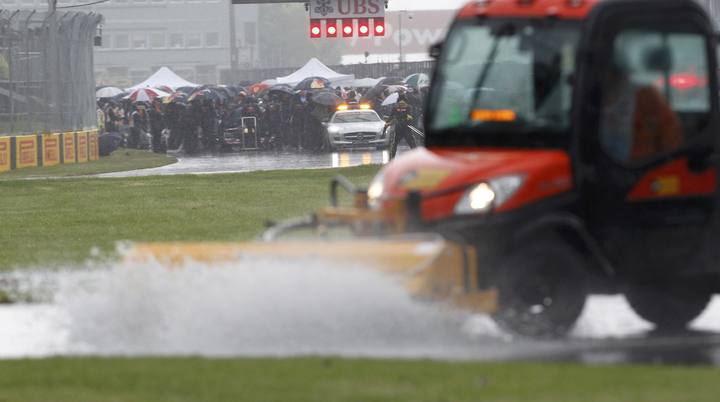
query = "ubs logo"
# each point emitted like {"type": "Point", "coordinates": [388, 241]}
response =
{"type": "Point", "coordinates": [324, 8]}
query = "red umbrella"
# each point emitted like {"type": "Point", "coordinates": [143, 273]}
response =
{"type": "Point", "coordinates": [165, 89]}
{"type": "Point", "coordinates": [257, 88]}
{"type": "Point", "coordinates": [146, 95]}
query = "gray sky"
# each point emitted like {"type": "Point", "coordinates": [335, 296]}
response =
{"type": "Point", "coordinates": [425, 4]}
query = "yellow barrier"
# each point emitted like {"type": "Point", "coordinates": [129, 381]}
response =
{"type": "Point", "coordinates": [94, 145]}
{"type": "Point", "coordinates": [68, 148]}
{"type": "Point", "coordinates": [4, 154]}
{"type": "Point", "coordinates": [82, 146]}
{"type": "Point", "coordinates": [26, 151]}
{"type": "Point", "coordinates": [50, 149]}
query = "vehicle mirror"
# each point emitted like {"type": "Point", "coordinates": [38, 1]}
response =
{"type": "Point", "coordinates": [436, 50]}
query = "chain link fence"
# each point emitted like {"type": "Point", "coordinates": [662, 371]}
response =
{"type": "Point", "coordinates": [47, 80]}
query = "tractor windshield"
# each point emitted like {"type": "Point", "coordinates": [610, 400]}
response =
{"type": "Point", "coordinates": [504, 83]}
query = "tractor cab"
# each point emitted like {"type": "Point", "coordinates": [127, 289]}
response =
{"type": "Point", "coordinates": [573, 144]}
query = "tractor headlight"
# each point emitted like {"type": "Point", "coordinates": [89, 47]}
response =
{"type": "Point", "coordinates": [483, 197]}
{"type": "Point", "coordinates": [376, 191]}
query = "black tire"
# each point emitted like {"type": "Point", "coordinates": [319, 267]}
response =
{"type": "Point", "coordinates": [671, 310]}
{"type": "Point", "coordinates": [542, 290]}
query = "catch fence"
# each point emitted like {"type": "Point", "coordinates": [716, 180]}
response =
{"type": "Point", "coordinates": [47, 81]}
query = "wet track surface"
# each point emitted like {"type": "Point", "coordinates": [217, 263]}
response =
{"type": "Point", "coordinates": [254, 161]}
{"type": "Point", "coordinates": [271, 309]}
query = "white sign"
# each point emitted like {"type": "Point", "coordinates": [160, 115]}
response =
{"type": "Point", "coordinates": [338, 9]}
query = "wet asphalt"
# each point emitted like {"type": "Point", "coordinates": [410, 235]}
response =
{"type": "Point", "coordinates": [692, 347]}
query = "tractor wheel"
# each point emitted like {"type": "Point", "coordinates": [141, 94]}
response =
{"type": "Point", "coordinates": [671, 310]}
{"type": "Point", "coordinates": [542, 290]}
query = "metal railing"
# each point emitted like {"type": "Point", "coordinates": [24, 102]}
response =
{"type": "Point", "coordinates": [47, 81]}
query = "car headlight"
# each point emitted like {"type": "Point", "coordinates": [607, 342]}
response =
{"type": "Point", "coordinates": [333, 130]}
{"type": "Point", "coordinates": [376, 191]}
{"type": "Point", "coordinates": [483, 197]}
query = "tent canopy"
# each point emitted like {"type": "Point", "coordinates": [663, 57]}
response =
{"type": "Point", "coordinates": [163, 77]}
{"type": "Point", "coordinates": [315, 68]}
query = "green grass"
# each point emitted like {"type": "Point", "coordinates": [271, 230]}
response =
{"type": "Point", "coordinates": [198, 380]}
{"type": "Point", "coordinates": [54, 222]}
{"type": "Point", "coordinates": [118, 161]}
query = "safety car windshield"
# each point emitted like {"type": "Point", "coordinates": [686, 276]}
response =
{"type": "Point", "coordinates": [356, 117]}
{"type": "Point", "coordinates": [499, 82]}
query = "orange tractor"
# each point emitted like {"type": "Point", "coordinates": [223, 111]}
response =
{"type": "Point", "coordinates": [560, 161]}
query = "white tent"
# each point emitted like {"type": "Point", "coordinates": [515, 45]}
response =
{"type": "Point", "coordinates": [315, 68]}
{"type": "Point", "coordinates": [365, 82]}
{"type": "Point", "coordinates": [163, 77]}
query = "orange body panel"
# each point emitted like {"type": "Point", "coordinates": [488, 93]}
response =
{"type": "Point", "coordinates": [674, 179]}
{"type": "Point", "coordinates": [577, 9]}
{"type": "Point", "coordinates": [546, 172]}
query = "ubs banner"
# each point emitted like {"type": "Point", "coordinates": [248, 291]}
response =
{"type": "Point", "coordinates": [4, 154]}
{"type": "Point", "coordinates": [420, 30]}
{"type": "Point", "coordinates": [26, 151]}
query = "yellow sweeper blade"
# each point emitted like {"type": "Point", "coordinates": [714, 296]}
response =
{"type": "Point", "coordinates": [432, 268]}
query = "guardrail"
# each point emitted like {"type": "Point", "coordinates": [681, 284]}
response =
{"type": "Point", "coordinates": [48, 149]}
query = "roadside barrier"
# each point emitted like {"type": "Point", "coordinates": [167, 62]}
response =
{"type": "Point", "coordinates": [48, 149]}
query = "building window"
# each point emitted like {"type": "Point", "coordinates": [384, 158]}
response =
{"type": "Point", "coordinates": [106, 42]}
{"type": "Point", "coordinates": [250, 33]}
{"type": "Point", "coordinates": [157, 40]}
{"type": "Point", "coordinates": [139, 41]}
{"type": "Point", "coordinates": [177, 40]}
{"type": "Point", "coordinates": [137, 76]}
{"type": "Point", "coordinates": [118, 72]}
{"type": "Point", "coordinates": [122, 41]}
{"type": "Point", "coordinates": [194, 39]}
{"type": "Point", "coordinates": [186, 74]}
{"type": "Point", "coordinates": [206, 74]}
{"type": "Point", "coordinates": [212, 39]}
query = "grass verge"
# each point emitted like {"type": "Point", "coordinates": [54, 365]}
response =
{"type": "Point", "coordinates": [55, 222]}
{"type": "Point", "coordinates": [258, 380]}
{"type": "Point", "coordinates": [119, 161]}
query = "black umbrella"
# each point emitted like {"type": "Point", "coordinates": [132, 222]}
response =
{"type": "Point", "coordinates": [284, 88]}
{"type": "Point", "coordinates": [326, 98]}
{"type": "Point", "coordinates": [313, 83]}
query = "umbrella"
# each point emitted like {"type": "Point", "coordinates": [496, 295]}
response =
{"type": "Point", "coordinates": [177, 96]}
{"type": "Point", "coordinates": [326, 98]}
{"type": "Point", "coordinates": [146, 95]}
{"type": "Point", "coordinates": [204, 94]}
{"type": "Point", "coordinates": [108, 92]}
{"type": "Point", "coordinates": [186, 90]}
{"type": "Point", "coordinates": [391, 99]}
{"type": "Point", "coordinates": [282, 88]}
{"type": "Point", "coordinates": [165, 88]}
{"type": "Point", "coordinates": [313, 83]}
{"type": "Point", "coordinates": [418, 80]}
{"type": "Point", "coordinates": [257, 88]}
